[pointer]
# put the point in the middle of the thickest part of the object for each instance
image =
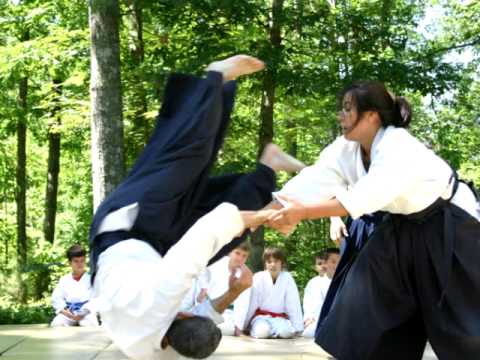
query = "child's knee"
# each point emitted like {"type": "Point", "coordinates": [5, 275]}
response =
{"type": "Point", "coordinates": [286, 333]}
{"type": "Point", "coordinates": [89, 320]}
{"type": "Point", "coordinates": [261, 330]}
{"type": "Point", "coordinates": [61, 320]}
{"type": "Point", "coordinates": [227, 329]}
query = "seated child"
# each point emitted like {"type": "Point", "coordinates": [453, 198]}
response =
{"type": "Point", "coordinates": [274, 309]}
{"type": "Point", "coordinates": [316, 289]}
{"type": "Point", "coordinates": [72, 296]}
{"type": "Point", "coordinates": [214, 282]}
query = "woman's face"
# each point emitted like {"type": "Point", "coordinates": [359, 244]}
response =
{"type": "Point", "coordinates": [353, 127]}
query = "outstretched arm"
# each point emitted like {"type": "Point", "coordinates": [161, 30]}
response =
{"type": "Point", "coordinates": [294, 211]}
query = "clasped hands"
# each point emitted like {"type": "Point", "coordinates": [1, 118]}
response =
{"type": "Point", "coordinates": [282, 217]}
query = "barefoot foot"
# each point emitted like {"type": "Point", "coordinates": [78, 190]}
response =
{"type": "Point", "coordinates": [235, 66]}
{"type": "Point", "coordinates": [276, 159]}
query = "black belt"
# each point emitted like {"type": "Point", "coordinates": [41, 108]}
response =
{"type": "Point", "coordinates": [107, 239]}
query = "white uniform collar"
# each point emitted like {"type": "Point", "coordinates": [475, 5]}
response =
{"type": "Point", "coordinates": [376, 141]}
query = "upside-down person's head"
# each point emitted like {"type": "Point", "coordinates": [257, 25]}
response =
{"type": "Point", "coordinates": [193, 336]}
{"type": "Point", "coordinates": [274, 260]}
{"type": "Point", "coordinates": [366, 105]}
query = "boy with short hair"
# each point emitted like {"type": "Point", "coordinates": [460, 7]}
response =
{"type": "Point", "coordinates": [274, 309]}
{"type": "Point", "coordinates": [316, 289]}
{"type": "Point", "coordinates": [214, 281]}
{"type": "Point", "coordinates": [71, 298]}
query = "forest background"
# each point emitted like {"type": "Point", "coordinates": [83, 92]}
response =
{"type": "Point", "coordinates": [427, 51]}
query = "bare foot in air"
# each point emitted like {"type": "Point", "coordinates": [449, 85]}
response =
{"type": "Point", "coordinates": [235, 66]}
{"type": "Point", "coordinates": [276, 159]}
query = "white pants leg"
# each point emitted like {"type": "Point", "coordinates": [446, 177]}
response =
{"type": "Point", "coordinates": [228, 325]}
{"type": "Point", "coordinates": [89, 320]}
{"type": "Point", "coordinates": [261, 328]}
{"type": "Point", "coordinates": [62, 320]}
{"type": "Point", "coordinates": [282, 328]}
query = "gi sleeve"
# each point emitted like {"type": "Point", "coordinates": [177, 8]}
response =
{"type": "Point", "coordinates": [292, 303]}
{"type": "Point", "coordinates": [317, 182]}
{"type": "Point", "coordinates": [189, 257]}
{"type": "Point", "coordinates": [206, 309]}
{"type": "Point", "coordinates": [59, 296]}
{"type": "Point", "coordinates": [309, 300]}
{"type": "Point", "coordinates": [240, 309]}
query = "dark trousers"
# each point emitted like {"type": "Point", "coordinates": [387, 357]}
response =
{"type": "Point", "coordinates": [417, 278]}
{"type": "Point", "coordinates": [170, 179]}
{"type": "Point", "coordinates": [359, 230]}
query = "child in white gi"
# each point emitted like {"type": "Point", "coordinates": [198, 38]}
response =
{"type": "Point", "coordinates": [73, 294]}
{"type": "Point", "coordinates": [316, 289]}
{"type": "Point", "coordinates": [214, 282]}
{"type": "Point", "coordinates": [274, 309]}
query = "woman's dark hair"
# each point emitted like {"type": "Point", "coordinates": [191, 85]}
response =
{"type": "Point", "coordinates": [276, 253]}
{"type": "Point", "coordinates": [75, 251]}
{"type": "Point", "coordinates": [373, 96]}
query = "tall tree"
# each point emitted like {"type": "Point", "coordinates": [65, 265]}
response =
{"type": "Point", "coordinates": [138, 134]}
{"type": "Point", "coordinates": [269, 81]}
{"type": "Point", "coordinates": [267, 109]}
{"type": "Point", "coordinates": [106, 98]}
{"type": "Point", "coordinates": [21, 176]}
{"type": "Point", "coordinates": [53, 168]}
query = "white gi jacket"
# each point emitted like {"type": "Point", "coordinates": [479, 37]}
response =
{"type": "Point", "coordinates": [404, 177]}
{"type": "Point", "coordinates": [314, 296]}
{"type": "Point", "coordinates": [140, 293]}
{"type": "Point", "coordinates": [72, 291]}
{"type": "Point", "coordinates": [281, 297]}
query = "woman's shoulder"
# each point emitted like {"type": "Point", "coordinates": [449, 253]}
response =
{"type": "Point", "coordinates": [399, 134]}
{"type": "Point", "coordinates": [339, 148]}
{"type": "Point", "coordinates": [394, 137]}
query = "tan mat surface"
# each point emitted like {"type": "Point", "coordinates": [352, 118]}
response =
{"type": "Point", "coordinates": [39, 342]}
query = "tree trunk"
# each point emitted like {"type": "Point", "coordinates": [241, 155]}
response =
{"type": "Point", "coordinates": [386, 12]}
{"type": "Point", "coordinates": [42, 278]}
{"type": "Point", "coordinates": [141, 129]}
{"type": "Point", "coordinates": [266, 113]}
{"type": "Point", "coordinates": [291, 140]}
{"type": "Point", "coordinates": [268, 93]}
{"type": "Point", "coordinates": [257, 243]}
{"type": "Point", "coordinates": [51, 191]}
{"type": "Point", "coordinates": [106, 99]}
{"type": "Point", "coordinates": [21, 188]}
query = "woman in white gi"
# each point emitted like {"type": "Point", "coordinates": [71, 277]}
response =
{"type": "Point", "coordinates": [418, 276]}
{"type": "Point", "coordinates": [274, 309]}
{"type": "Point", "coordinates": [72, 297]}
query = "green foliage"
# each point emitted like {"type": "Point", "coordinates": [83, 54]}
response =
{"type": "Point", "coordinates": [33, 313]}
{"type": "Point", "coordinates": [323, 48]}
